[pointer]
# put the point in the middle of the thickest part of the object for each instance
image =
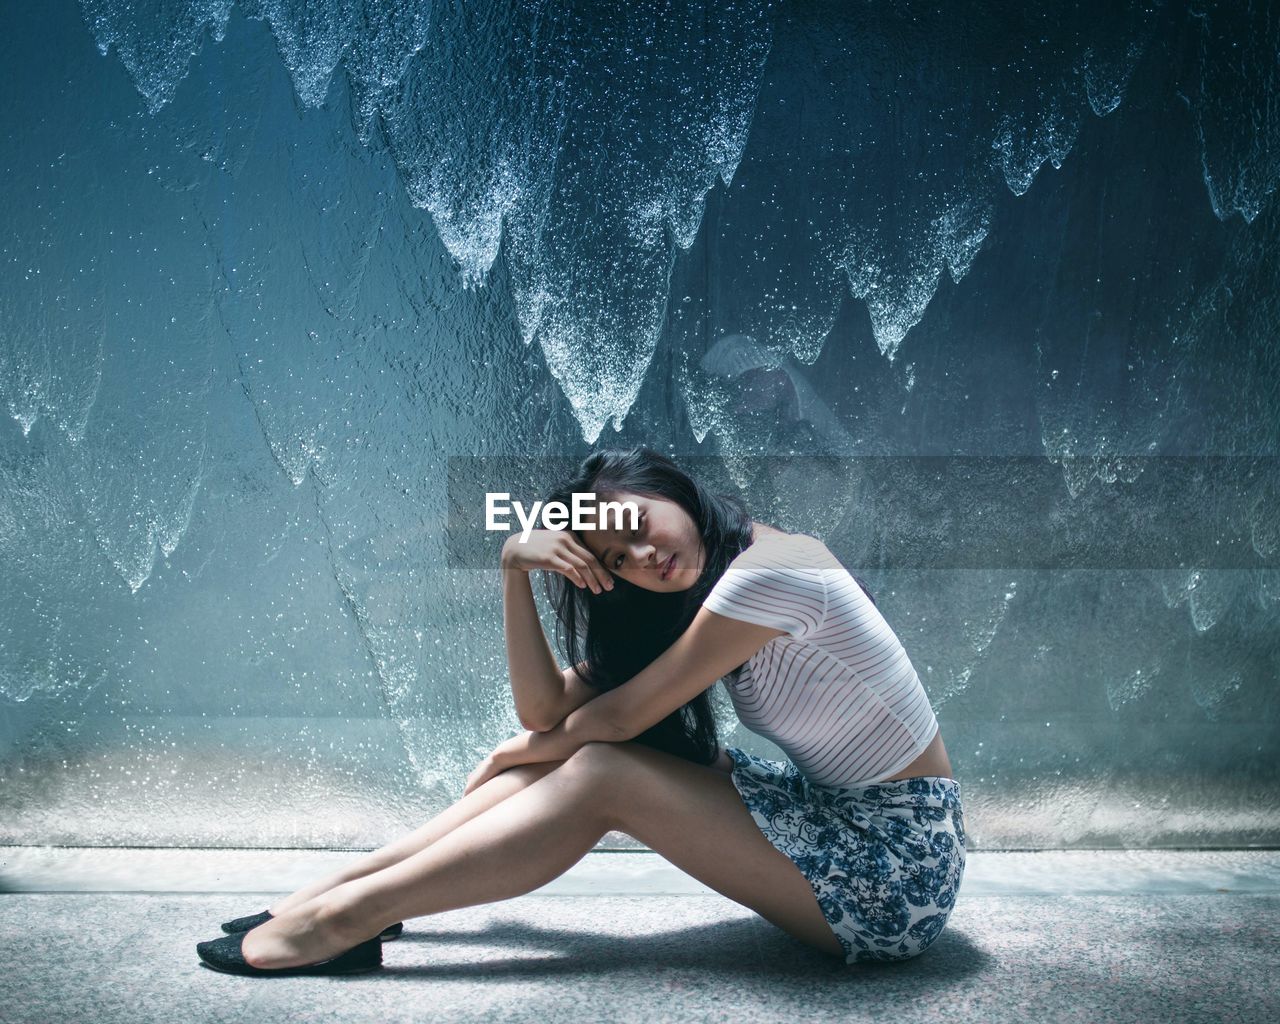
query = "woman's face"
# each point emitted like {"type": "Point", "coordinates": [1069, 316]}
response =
{"type": "Point", "coordinates": [643, 556]}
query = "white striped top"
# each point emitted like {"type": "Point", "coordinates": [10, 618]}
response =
{"type": "Point", "coordinates": [837, 693]}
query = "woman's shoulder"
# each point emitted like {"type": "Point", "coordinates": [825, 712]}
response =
{"type": "Point", "coordinates": [772, 535]}
{"type": "Point", "coordinates": [775, 581]}
{"type": "Point", "coordinates": [773, 545]}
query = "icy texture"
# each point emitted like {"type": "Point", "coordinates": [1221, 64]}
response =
{"type": "Point", "coordinates": [590, 136]}
{"type": "Point", "coordinates": [597, 137]}
{"type": "Point", "coordinates": [156, 40]}
{"type": "Point", "coordinates": [597, 134]}
{"type": "Point", "coordinates": [266, 265]}
{"type": "Point", "coordinates": [1233, 103]}
{"type": "Point", "coordinates": [885, 140]}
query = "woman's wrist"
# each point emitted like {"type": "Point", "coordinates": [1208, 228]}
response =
{"type": "Point", "coordinates": [532, 747]}
{"type": "Point", "coordinates": [507, 557]}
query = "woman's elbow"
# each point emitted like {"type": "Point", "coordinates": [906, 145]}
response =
{"type": "Point", "coordinates": [535, 721]}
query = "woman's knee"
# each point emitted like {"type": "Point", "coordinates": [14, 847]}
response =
{"type": "Point", "coordinates": [600, 768]}
{"type": "Point", "coordinates": [596, 757]}
{"type": "Point", "coordinates": [596, 773]}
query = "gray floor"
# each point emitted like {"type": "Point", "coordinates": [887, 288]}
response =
{"type": "Point", "coordinates": [1034, 937]}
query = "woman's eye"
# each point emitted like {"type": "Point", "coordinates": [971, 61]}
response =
{"type": "Point", "coordinates": [640, 519]}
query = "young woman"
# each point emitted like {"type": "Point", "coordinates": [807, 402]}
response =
{"type": "Point", "coordinates": [855, 845]}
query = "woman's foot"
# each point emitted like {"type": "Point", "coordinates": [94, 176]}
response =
{"type": "Point", "coordinates": [245, 924]}
{"type": "Point", "coordinates": [306, 935]}
{"type": "Point", "coordinates": [226, 954]}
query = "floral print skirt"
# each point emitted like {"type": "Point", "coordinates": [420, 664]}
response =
{"type": "Point", "coordinates": [885, 860]}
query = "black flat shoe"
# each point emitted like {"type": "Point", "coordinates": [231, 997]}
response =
{"type": "Point", "coordinates": [226, 955]}
{"type": "Point", "coordinates": [244, 924]}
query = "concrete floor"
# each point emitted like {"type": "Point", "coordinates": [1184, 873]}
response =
{"type": "Point", "coordinates": [1074, 936]}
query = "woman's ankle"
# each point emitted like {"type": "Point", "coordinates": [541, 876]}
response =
{"type": "Point", "coordinates": [309, 893]}
{"type": "Point", "coordinates": [289, 902]}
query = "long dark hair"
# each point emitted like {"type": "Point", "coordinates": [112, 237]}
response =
{"type": "Point", "coordinates": [617, 633]}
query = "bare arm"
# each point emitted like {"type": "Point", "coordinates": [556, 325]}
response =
{"type": "Point", "coordinates": [537, 683]}
{"type": "Point", "coordinates": [710, 648]}
{"type": "Point", "coordinates": [543, 692]}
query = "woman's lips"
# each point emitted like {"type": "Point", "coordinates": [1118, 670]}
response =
{"type": "Point", "coordinates": [669, 566]}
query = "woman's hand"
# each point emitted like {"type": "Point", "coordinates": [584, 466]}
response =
{"type": "Point", "coordinates": [506, 755]}
{"type": "Point", "coordinates": [482, 773]}
{"type": "Point", "coordinates": [559, 551]}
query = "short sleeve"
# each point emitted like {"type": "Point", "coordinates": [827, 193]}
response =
{"type": "Point", "coordinates": [778, 590]}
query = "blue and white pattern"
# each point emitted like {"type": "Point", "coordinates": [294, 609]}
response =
{"type": "Point", "coordinates": [885, 860]}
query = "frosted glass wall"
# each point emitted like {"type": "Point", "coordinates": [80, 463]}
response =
{"type": "Point", "coordinates": [988, 303]}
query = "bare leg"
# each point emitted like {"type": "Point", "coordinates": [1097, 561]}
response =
{"type": "Point", "coordinates": [690, 814]}
{"type": "Point", "coordinates": [477, 802]}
